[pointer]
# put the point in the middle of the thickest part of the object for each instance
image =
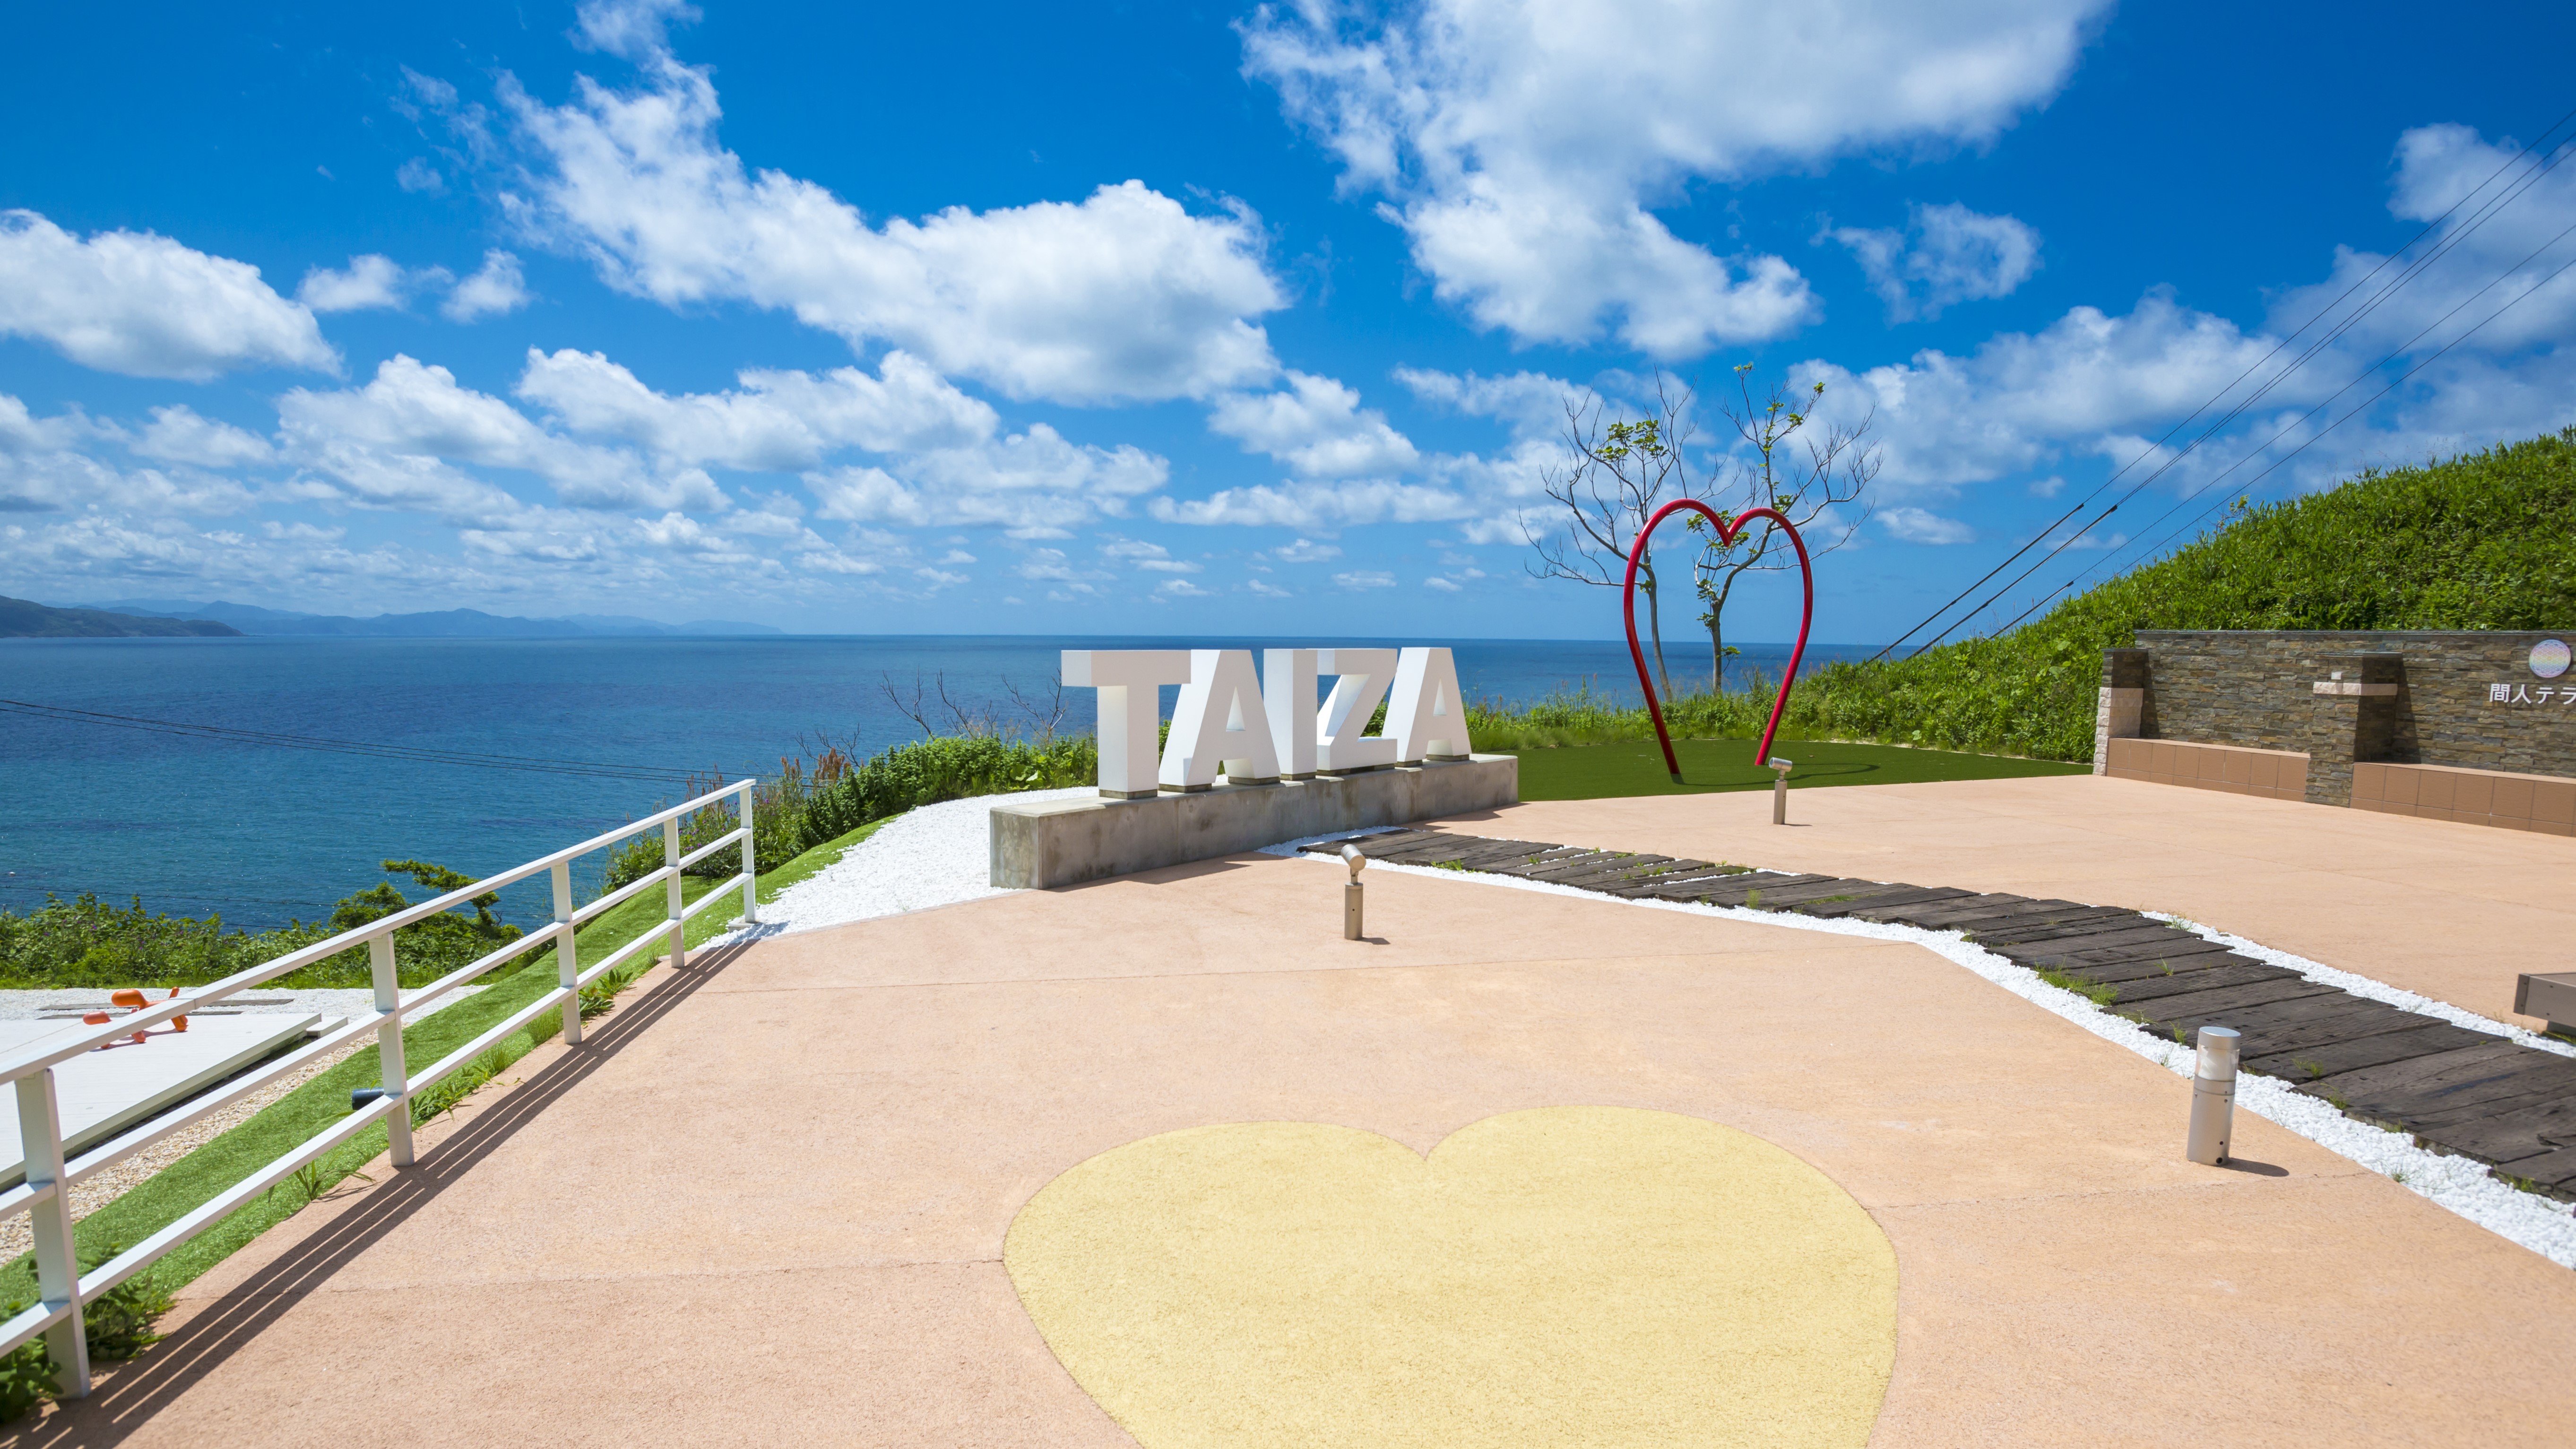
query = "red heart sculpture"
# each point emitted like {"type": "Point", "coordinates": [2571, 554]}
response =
{"type": "Point", "coordinates": [1726, 533]}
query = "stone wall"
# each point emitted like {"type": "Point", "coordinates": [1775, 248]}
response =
{"type": "Point", "coordinates": [2409, 697]}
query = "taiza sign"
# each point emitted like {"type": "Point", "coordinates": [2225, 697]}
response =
{"type": "Point", "coordinates": [1261, 731]}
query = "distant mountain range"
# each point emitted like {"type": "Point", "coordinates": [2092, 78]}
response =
{"type": "Point", "coordinates": [26, 619]}
{"type": "Point", "coordinates": [230, 618]}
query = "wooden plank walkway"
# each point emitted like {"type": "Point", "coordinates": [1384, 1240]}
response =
{"type": "Point", "coordinates": [2472, 1093]}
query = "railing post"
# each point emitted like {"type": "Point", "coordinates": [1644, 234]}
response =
{"type": "Point", "coordinates": [40, 1133]}
{"type": "Point", "coordinates": [750, 860]}
{"type": "Point", "coordinates": [671, 861]}
{"type": "Point", "coordinates": [389, 1046]}
{"type": "Point", "coordinates": [567, 969]}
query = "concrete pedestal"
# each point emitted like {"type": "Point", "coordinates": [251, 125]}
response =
{"type": "Point", "coordinates": [1063, 842]}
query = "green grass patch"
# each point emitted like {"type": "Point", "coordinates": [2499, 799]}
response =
{"type": "Point", "coordinates": [198, 1177]}
{"type": "Point", "coordinates": [1595, 772]}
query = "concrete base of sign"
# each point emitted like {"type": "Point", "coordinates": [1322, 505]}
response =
{"type": "Point", "coordinates": [1063, 842]}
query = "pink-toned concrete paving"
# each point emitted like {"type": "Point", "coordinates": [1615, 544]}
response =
{"type": "Point", "coordinates": [767, 1204]}
{"type": "Point", "coordinates": [2454, 912]}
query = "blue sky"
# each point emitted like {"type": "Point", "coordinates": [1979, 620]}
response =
{"type": "Point", "coordinates": [1208, 319]}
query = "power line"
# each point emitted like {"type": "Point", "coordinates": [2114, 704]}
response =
{"type": "Point", "coordinates": [2363, 406]}
{"type": "Point", "coordinates": [2483, 216]}
{"type": "Point", "coordinates": [2412, 270]}
{"type": "Point", "coordinates": [417, 754]}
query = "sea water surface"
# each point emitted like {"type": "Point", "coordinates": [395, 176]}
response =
{"type": "Point", "coordinates": [261, 833]}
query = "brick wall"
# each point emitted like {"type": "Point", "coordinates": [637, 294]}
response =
{"type": "Point", "coordinates": [2258, 689]}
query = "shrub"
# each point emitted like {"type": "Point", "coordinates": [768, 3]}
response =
{"type": "Point", "coordinates": [83, 942]}
{"type": "Point", "coordinates": [952, 767]}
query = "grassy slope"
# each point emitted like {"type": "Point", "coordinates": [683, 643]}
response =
{"type": "Point", "coordinates": [2478, 542]}
{"type": "Point", "coordinates": [199, 1176]}
{"type": "Point", "coordinates": [1591, 772]}
{"type": "Point", "coordinates": [2486, 541]}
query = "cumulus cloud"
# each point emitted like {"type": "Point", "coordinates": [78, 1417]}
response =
{"type": "Point", "coordinates": [368, 282]}
{"type": "Point", "coordinates": [1943, 255]}
{"type": "Point", "coordinates": [778, 420]}
{"type": "Point", "coordinates": [494, 290]}
{"type": "Point", "coordinates": [2487, 260]}
{"type": "Point", "coordinates": [397, 443]}
{"type": "Point", "coordinates": [144, 305]}
{"type": "Point", "coordinates": [2015, 401]}
{"type": "Point", "coordinates": [1365, 579]}
{"type": "Point", "coordinates": [1033, 484]}
{"type": "Point", "coordinates": [1316, 426]}
{"type": "Point", "coordinates": [178, 435]}
{"type": "Point", "coordinates": [1306, 550]}
{"type": "Point", "coordinates": [45, 467]}
{"type": "Point", "coordinates": [1506, 135]}
{"type": "Point", "coordinates": [1122, 296]}
{"type": "Point", "coordinates": [634, 29]}
{"type": "Point", "coordinates": [1319, 506]}
{"type": "Point", "coordinates": [1916, 525]}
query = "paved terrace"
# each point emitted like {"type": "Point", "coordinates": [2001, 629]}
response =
{"type": "Point", "coordinates": [768, 1203]}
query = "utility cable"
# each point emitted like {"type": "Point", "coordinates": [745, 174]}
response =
{"type": "Point", "coordinates": [2412, 270]}
{"type": "Point", "coordinates": [2485, 214]}
{"type": "Point", "coordinates": [420, 754]}
{"type": "Point", "coordinates": [2363, 406]}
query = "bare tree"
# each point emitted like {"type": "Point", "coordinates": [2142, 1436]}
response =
{"type": "Point", "coordinates": [1617, 473]}
{"type": "Point", "coordinates": [1836, 470]}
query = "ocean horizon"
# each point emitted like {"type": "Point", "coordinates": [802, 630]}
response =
{"type": "Point", "coordinates": [261, 834]}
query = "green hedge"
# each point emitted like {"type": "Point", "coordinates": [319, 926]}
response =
{"type": "Point", "coordinates": [926, 772]}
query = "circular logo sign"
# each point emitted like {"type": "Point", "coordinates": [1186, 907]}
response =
{"type": "Point", "coordinates": [2549, 658]}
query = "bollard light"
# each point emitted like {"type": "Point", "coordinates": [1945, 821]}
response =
{"type": "Point", "coordinates": [1780, 789]}
{"type": "Point", "coordinates": [1357, 861]}
{"type": "Point", "coordinates": [2213, 1095]}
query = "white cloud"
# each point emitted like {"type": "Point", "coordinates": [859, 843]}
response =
{"type": "Point", "coordinates": [1441, 584]}
{"type": "Point", "coordinates": [43, 469]}
{"type": "Point", "coordinates": [1316, 426]}
{"type": "Point", "coordinates": [865, 495]}
{"type": "Point", "coordinates": [1181, 589]}
{"type": "Point", "coordinates": [143, 305]}
{"type": "Point", "coordinates": [1365, 579]}
{"type": "Point", "coordinates": [1943, 256]}
{"type": "Point", "coordinates": [1318, 507]}
{"type": "Point", "coordinates": [779, 420]}
{"type": "Point", "coordinates": [2015, 401]}
{"type": "Point", "coordinates": [496, 289]}
{"type": "Point", "coordinates": [177, 435]}
{"type": "Point", "coordinates": [417, 175]}
{"type": "Point", "coordinates": [1305, 550]}
{"type": "Point", "coordinates": [369, 282]}
{"type": "Point", "coordinates": [1121, 296]}
{"type": "Point", "coordinates": [2438, 166]}
{"type": "Point", "coordinates": [634, 29]}
{"type": "Point", "coordinates": [1033, 484]}
{"type": "Point", "coordinates": [1149, 557]}
{"type": "Point", "coordinates": [396, 442]}
{"type": "Point", "coordinates": [1268, 591]}
{"type": "Point", "coordinates": [1522, 143]}
{"type": "Point", "coordinates": [1916, 525]}
{"type": "Point", "coordinates": [1532, 403]}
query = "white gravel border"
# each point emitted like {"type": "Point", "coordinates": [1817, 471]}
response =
{"type": "Point", "coordinates": [2463, 1186]}
{"type": "Point", "coordinates": [931, 855]}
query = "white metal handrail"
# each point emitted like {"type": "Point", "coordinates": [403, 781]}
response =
{"type": "Point", "coordinates": [45, 1194]}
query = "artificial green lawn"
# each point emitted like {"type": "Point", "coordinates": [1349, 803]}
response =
{"type": "Point", "coordinates": [1594, 772]}
{"type": "Point", "coordinates": [278, 1128]}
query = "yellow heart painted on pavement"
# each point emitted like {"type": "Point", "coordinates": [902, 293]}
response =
{"type": "Point", "coordinates": [1600, 1276]}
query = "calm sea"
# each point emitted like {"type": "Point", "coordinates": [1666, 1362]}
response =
{"type": "Point", "coordinates": [262, 833]}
